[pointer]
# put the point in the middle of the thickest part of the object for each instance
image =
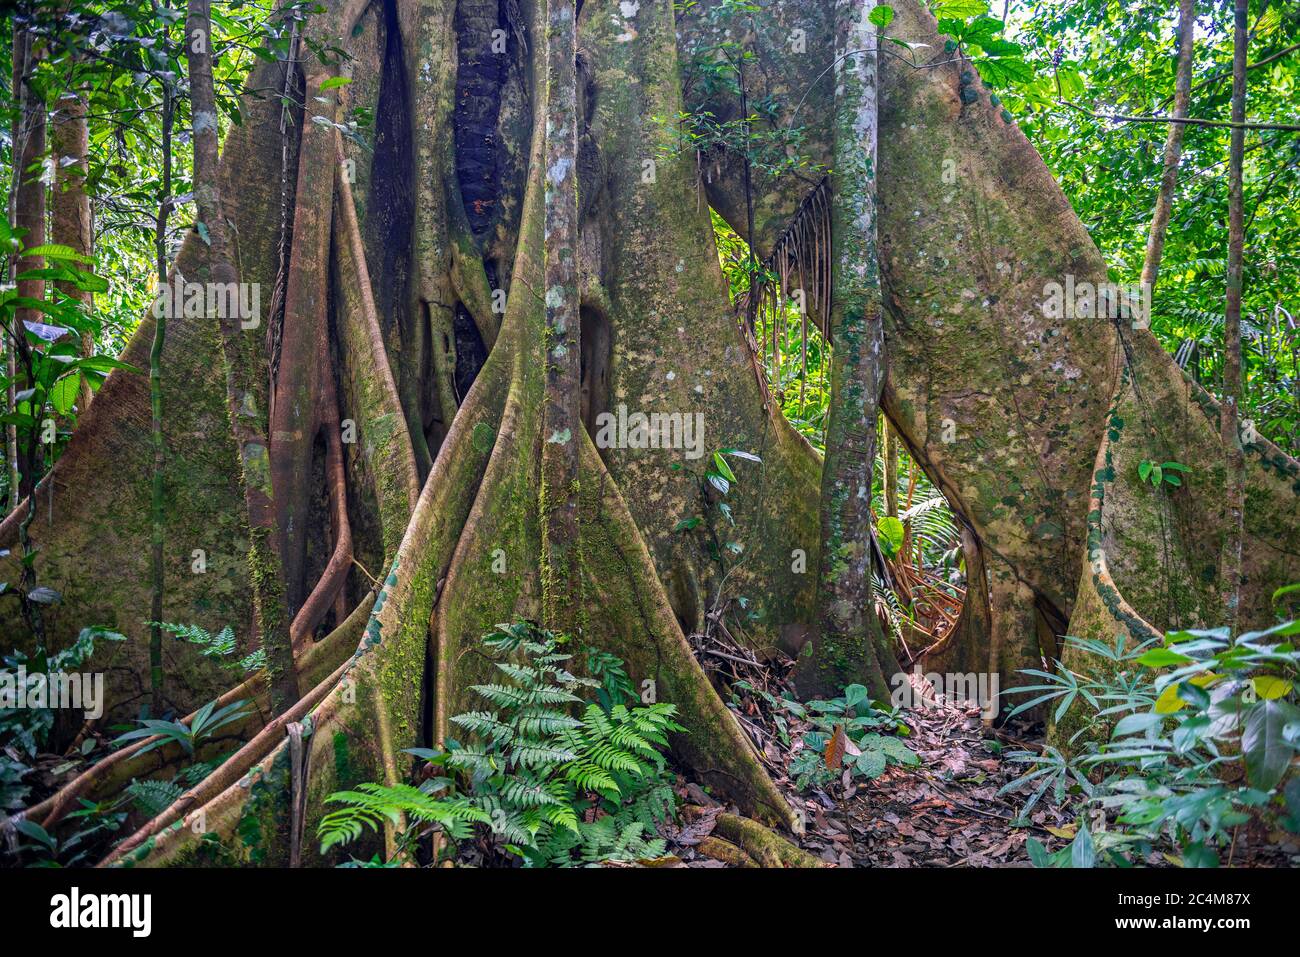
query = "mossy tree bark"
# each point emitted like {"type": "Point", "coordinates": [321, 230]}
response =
{"type": "Point", "coordinates": [1173, 145]}
{"type": "Point", "coordinates": [849, 644]}
{"type": "Point", "coordinates": [70, 203]}
{"type": "Point", "coordinates": [562, 414]}
{"type": "Point", "coordinates": [1229, 414]}
{"type": "Point", "coordinates": [1009, 405]}
{"type": "Point", "coordinates": [27, 212]}
{"type": "Point", "coordinates": [245, 390]}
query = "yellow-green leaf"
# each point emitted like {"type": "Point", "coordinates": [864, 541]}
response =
{"type": "Point", "coordinates": [1271, 687]}
{"type": "Point", "coordinates": [1169, 702]}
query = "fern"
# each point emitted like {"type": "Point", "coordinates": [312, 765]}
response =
{"type": "Point", "coordinates": [153, 797]}
{"type": "Point", "coordinates": [372, 804]}
{"type": "Point", "coordinates": [544, 784]}
{"type": "Point", "coordinates": [221, 645]}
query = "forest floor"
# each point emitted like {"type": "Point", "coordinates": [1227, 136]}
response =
{"type": "Point", "coordinates": [944, 811]}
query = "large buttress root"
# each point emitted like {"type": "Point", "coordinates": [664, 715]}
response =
{"type": "Point", "coordinates": [1002, 407]}
{"type": "Point", "coordinates": [91, 527]}
{"type": "Point", "coordinates": [1152, 551]}
{"type": "Point", "coordinates": [1003, 400]}
{"type": "Point", "coordinates": [295, 406]}
{"type": "Point", "coordinates": [108, 776]}
{"type": "Point", "coordinates": [480, 497]}
{"type": "Point", "coordinates": [652, 273]}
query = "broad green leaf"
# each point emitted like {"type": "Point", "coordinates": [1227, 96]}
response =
{"type": "Point", "coordinates": [1082, 851]}
{"type": "Point", "coordinates": [961, 9]}
{"type": "Point", "coordinates": [889, 532]}
{"type": "Point", "coordinates": [1169, 701]}
{"type": "Point", "coordinates": [64, 394]}
{"type": "Point", "coordinates": [1163, 658]}
{"type": "Point", "coordinates": [1267, 752]}
{"type": "Point", "coordinates": [1270, 687]}
{"type": "Point", "coordinates": [57, 252]}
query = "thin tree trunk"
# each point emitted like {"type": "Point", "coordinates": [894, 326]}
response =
{"type": "Point", "coordinates": [29, 214]}
{"type": "Point", "coordinates": [1230, 564]}
{"type": "Point", "coordinates": [1173, 145]}
{"type": "Point", "coordinates": [562, 409]}
{"type": "Point", "coordinates": [849, 645]}
{"type": "Point", "coordinates": [891, 470]}
{"type": "Point", "coordinates": [246, 402]}
{"type": "Point", "coordinates": [157, 505]}
{"type": "Point", "coordinates": [18, 139]}
{"type": "Point", "coordinates": [70, 214]}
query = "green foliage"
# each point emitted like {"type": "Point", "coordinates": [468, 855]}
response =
{"type": "Point", "coordinates": [221, 645]}
{"type": "Point", "coordinates": [849, 735]}
{"type": "Point", "coordinates": [1186, 718]}
{"type": "Point", "coordinates": [1161, 473]}
{"type": "Point", "coordinates": [609, 672]}
{"type": "Point", "coordinates": [719, 66]}
{"type": "Point", "coordinates": [372, 804]}
{"type": "Point", "coordinates": [979, 36]}
{"type": "Point", "coordinates": [152, 797]}
{"type": "Point", "coordinates": [715, 520]}
{"type": "Point", "coordinates": [26, 731]}
{"type": "Point", "coordinates": [535, 781]}
{"type": "Point", "coordinates": [1101, 57]}
{"type": "Point", "coordinates": [207, 721]}
{"type": "Point", "coordinates": [91, 823]}
{"type": "Point", "coordinates": [889, 532]}
{"type": "Point", "coordinates": [51, 367]}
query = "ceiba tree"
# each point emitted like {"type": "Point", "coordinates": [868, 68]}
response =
{"type": "Point", "coordinates": [406, 430]}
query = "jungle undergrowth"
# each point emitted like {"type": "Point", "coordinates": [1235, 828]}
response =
{"type": "Point", "coordinates": [1184, 749]}
{"type": "Point", "coordinates": [84, 834]}
{"type": "Point", "coordinates": [546, 777]}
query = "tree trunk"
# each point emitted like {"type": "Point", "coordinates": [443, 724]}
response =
{"type": "Point", "coordinates": [245, 391]}
{"type": "Point", "coordinates": [1235, 490]}
{"type": "Point", "coordinates": [158, 483]}
{"type": "Point", "coordinates": [849, 645]}
{"type": "Point", "coordinates": [29, 206]}
{"type": "Point", "coordinates": [562, 414]}
{"type": "Point", "coordinates": [1173, 145]}
{"type": "Point", "coordinates": [70, 213]}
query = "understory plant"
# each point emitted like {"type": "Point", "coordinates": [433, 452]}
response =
{"type": "Point", "coordinates": [27, 729]}
{"type": "Point", "coordinates": [26, 733]}
{"type": "Point", "coordinates": [849, 739]}
{"type": "Point", "coordinates": [189, 736]}
{"type": "Point", "coordinates": [1198, 735]}
{"type": "Point", "coordinates": [546, 777]}
{"type": "Point", "coordinates": [208, 719]}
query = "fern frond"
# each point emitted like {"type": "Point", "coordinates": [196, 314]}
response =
{"type": "Point", "coordinates": [538, 755]}
{"type": "Point", "coordinates": [485, 724]}
{"type": "Point", "coordinates": [533, 793]}
{"type": "Point", "coordinates": [153, 797]}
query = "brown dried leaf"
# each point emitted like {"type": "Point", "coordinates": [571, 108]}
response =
{"type": "Point", "coordinates": [834, 755]}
